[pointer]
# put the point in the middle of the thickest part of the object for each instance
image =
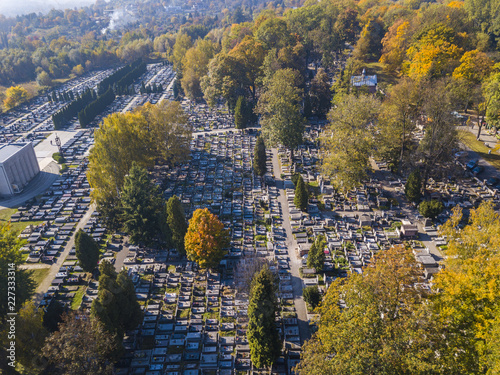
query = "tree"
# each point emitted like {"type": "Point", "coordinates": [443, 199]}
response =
{"type": "Point", "coordinates": [301, 198]}
{"type": "Point", "coordinates": [440, 134]}
{"type": "Point", "coordinates": [374, 324]}
{"type": "Point", "coordinates": [240, 121]}
{"type": "Point", "coordinates": [369, 45]}
{"type": "Point", "coordinates": [263, 337]}
{"type": "Point", "coordinates": [87, 251]}
{"type": "Point", "coordinates": [206, 239]}
{"type": "Point", "coordinates": [150, 133]}
{"type": "Point", "coordinates": [312, 296]}
{"type": "Point", "coordinates": [14, 96]}
{"type": "Point", "coordinates": [183, 42]}
{"type": "Point", "coordinates": [10, 260]}
{"type": "Point", "coordinates": [413, 187]}
{"type": "Point", "coordinates": [430, 209]}
{"type": "Point", "coordinates": [347, 141]}
{"type": "Point", "coordinates": [142, 206]}
{"type": "Point", "coordinates": [116, 305]}
{"type": "Point", "coordinates": [433, 55]}
{"type": "Point", "coordinates": [30, 335]}
{"type": "Point", "coordinates": [53, 315]}
{"type": "Point", "coordinates": [467, 303]}
{"type": "Point", "coordinates": [397, 121]}
{"type": "Point", "coordinates": [316, 254]}
{"type": "Point", "coordinates": [259, 157]}
{"type": "Point", "coordinates": [320, 94]}
{"type": "Point", "coordinates": [282, 122]}
{"type": "Point", "coordinates": [176, 221]}
{"type": "Point", "coordinates": [43, 79]}
{"type": "Point", "coordinates": [81, 346]}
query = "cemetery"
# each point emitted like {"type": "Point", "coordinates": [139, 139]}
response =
{"type": "Point", "coordinates": [195, 321]}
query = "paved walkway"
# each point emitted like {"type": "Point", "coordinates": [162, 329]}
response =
{"type": "Point", "coordinates": [54, 269]}
{"type": "Point", "coordinates": [295, 263]}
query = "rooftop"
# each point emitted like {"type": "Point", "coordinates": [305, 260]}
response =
{"type": "Point", "coordinates": [7, 150]}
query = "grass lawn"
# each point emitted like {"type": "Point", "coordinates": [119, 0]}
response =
{"type": "Point", "coordinates": [39, 275]}
{"type": "Point", "coordinates": [5, 215]}
{"type": "Point", "coordinates": [470, 141]}
{"type": "Point", "coordinates": [77, 299]}
{"type": "Point", "coordinates": [382, 76]}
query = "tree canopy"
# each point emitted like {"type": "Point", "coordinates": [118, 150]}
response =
{"type": "Point", "coordinates": [206, 240]}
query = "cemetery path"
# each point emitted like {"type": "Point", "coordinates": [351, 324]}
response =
{"type": "Point", "coordinates": [54, 269]}
{"type": "Point", "coordinates": [300, 306]}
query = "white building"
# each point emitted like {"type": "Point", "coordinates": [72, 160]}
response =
{"type": "Point", "coordinates": [18, 165]}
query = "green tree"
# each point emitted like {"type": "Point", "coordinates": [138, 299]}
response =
{"type": "Point", "coordinates": [116, 304]}
{"type": "Point", "coordinates": [30, 335]}
{"type": "Point", "coordinates": [142, 206]}
{"type": "Point", "coordinates": [320, 94]}
{"type": "Point", "coordinates": [312, 296]}
{"type": "Point", "coordinates": [81, 346]}
{"type": "Point", "coordinates": [43, 79]}
{"type": "Point", "coordinates": [397, 121]}
{"type": "Point", "coordinates": [176, 221]}
{"type": "Point", "coordinates": [430, 209]}
{"type": "Point", "coordinates": [282, 122]}
{"type": "Point", "coordinates": [259, 157]}
{"type": "Point", "coordinates": [263, 337]}
{"type": "Point", "coordinates": [348, 141]}
{"type": "Point", "coordinates": [301, 198]}
{"type": "Point", "coordinates": [87, 251]}
{"type": "Point", "coordinates": [316, 254]}
{"type": "Point", "coordinates": [206, 240]}
{"type": "Point", "coordinates": [440, 133]}
{"type": "Point", "coordinates": [240, 121]}
{"type": "Point", "coordinates": [10, 260]}
{"type": "Point", "coordinates": [413, 187]}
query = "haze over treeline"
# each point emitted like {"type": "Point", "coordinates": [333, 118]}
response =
{"type": "Point", "coordinates": [13, 7]}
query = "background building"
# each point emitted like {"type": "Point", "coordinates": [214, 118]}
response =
{"type": "Point", "coordinates": [18, 165]}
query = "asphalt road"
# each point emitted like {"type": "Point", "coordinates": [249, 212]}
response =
{"type": "Point", "coordinates": [295, 263]}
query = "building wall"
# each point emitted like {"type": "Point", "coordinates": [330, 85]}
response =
{"type": "Point", "coordinates": [19, 168]}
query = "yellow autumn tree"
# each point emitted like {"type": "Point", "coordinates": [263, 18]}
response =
{"type": "Point", "coordinates": [433, 55]}
{"type": "Point", "coordinates": [14, 96]}
{"type": "Point", "coordinates": [395, 43]}
{"type": "Point", "coordinates": [474, 67]}
{"type": "Point", "coordinates": [468, 302]}
{"type": "Point", "coordinates": [206, 239]}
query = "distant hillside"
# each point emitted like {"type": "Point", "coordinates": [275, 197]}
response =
{"type": "Point", "coordinates": [13, 7]}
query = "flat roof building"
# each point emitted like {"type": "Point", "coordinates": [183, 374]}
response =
{"type": "Point", "coordinates": [18, 166]}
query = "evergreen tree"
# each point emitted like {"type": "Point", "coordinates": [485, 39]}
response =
{"type": "Point", "coordinates": [413, 186]}
{"type": "Point", "coordinates": [259, 157]}
{"type": "Point", "coordinates": [263, 337]}
{"type": "Point", "coordinates": [143, 88]}
{"type": "Point", "coordinates": [316, 255]}
{"type": "Point", "coordinates": [176, 221]}
{"type": "Point", "coordinates": [312, 296]}
{"type": "Point", "coordinates": [142, 206]}
{"type": "Point", "coordinates": [239, 113]}
{"type": "Point", "coordinates": [54, 97]}
{"type": "Point", "coordinates": [430, 209]}
{"type": "Point", "coordinates": [87, 251]}
{"type": "Point", "coordinates": [116, 304]}
{"type": "Point", "coordinates": [301, 195]}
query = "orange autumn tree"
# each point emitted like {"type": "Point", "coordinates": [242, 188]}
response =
{"type": "Point", "coordinates": [206, 239]}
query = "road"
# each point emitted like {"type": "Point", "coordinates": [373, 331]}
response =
{"type": "Point", "coordinates": [295, 263]}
